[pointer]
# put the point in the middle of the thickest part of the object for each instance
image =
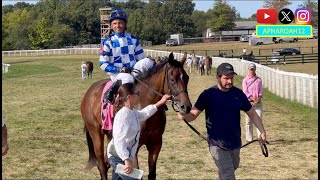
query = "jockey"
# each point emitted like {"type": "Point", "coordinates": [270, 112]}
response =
{"type": "Point", "coordinates": [119, 52]}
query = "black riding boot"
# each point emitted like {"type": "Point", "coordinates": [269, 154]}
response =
{"type": "Point", "coordinates": [112, 91]}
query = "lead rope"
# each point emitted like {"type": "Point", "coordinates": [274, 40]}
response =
{"type": "Point", "coordinates": [263, 147]}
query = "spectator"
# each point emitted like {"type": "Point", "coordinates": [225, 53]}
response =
{"type": "Point", "coordinates": [189, 64]}
{"type": "Point", "coordinates": [252, 88]}
{"type": "Point", "coordinates": [222, 104]}
{"type": "Point", "coordinates": [244, 51]}
{"type": "Point", "coordinates": [201, 66]}
{"type": "Point", "coordinates": [5, 146]}
{"type": "Point", "coordinates": [126, 132]}
{"type": "Point", "coordinates": [83, 69]}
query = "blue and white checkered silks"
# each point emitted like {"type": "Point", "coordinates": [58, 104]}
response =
{"type": "Point", "coordinates": [119, 50]}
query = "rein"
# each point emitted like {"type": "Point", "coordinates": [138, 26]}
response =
{"type": "Point", "coordinates": [173, 96]}
{"type": "Point", "coordinates": [263, 147]}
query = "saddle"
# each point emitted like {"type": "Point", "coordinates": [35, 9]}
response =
{"type": "Point", "coordinates": [106, 111]}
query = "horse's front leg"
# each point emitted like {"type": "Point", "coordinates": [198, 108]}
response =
{"type": "Point", "coordinates": [153, 153]}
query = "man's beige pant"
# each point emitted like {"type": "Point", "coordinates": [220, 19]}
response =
{"type": "Point", "coordinates": [249, 124]}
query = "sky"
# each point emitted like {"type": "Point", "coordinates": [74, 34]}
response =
{"type": "Point", "coordinates": [245, 7]}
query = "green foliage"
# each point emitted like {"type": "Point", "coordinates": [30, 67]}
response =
{"type": "Point", "coordinates": [276, 4]}
{"type": "Point", "coordinates": [199, 19]}
{"type": "Point", "coordinates": [222, 17]}
{"type": "Point", "coordinates": [15, 28]}
{"type": "Point", "coordinates": [40, 35]}
{"type": "Point", "coordinates": [158, 19]}
{"type": "Point", "coordinates": [313, 6]}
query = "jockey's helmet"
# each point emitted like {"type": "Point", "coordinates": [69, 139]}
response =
{"type": "Point", "coordinates": [118, 14]}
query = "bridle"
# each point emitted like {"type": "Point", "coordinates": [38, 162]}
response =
{"type": "Point", "coordinates": [171, 93]}
{"type": "Point", "coordinates": [263, 147]}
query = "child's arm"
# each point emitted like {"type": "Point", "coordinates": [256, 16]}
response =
{"type": "Point", "coordinates": [150, 110]}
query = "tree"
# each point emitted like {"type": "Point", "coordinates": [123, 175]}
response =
{"type": "Point", "coordinates": [222, 17]}
{"type": "Point", "coordinates": [313, 6]}
{"type": "Point", "coordinates": [176, 15]}
{"type": "Point", "coordinates": [199, 19]}
{"type": "Point", "coordinates": [40, 35]}
{"type": "Point", "coordinates": [15, 29]}
{"type": "Point", "coordinates": [276, 4]}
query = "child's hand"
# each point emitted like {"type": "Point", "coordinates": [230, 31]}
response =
{"type": "Point", "coordinates": [164, 98]}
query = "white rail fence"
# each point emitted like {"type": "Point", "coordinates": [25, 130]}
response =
{"type": "Point", "coordinates": [298, 87]}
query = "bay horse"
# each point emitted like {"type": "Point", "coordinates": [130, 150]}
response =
{"type": "Point", "coordinates": [208, 65]}
{"type": "Point", "coordinates": [89, 69]}
{"type": "Point", "coordinates": [167, 77]}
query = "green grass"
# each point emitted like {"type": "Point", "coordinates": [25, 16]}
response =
{"type": "Point", "coordinates": [19, 70]}
{"type": "Point", "coordinates": [46, 139]}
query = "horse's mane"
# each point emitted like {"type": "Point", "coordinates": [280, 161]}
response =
{"type": "Point", "coordinates": [157, 68]}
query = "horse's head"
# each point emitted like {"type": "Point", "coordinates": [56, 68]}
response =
{"type": "Point", "coordinates": [167, 77]}
{"type": "Point", "coordinates": [177, 82]}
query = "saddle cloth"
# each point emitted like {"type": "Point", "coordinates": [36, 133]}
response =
{"type": "Point", "coordinates": [106, 110]}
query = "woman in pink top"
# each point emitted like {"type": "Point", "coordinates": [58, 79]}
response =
{"type": "Point", "coordinates": [252, 87]}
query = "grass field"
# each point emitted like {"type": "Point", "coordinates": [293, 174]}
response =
{"type": "Point", "coordinates": [41, 100]}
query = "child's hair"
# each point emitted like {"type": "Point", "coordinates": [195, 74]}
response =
{"type": "Point", "coordinates": [124, 90]}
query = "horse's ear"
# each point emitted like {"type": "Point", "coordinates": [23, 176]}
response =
{"type": "Point", "coordinates": [171, 57]}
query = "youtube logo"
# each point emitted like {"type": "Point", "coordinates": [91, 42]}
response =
{"type": "Point", "coordinates": [267, 16]}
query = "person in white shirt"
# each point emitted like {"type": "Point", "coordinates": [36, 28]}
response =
{"type": "Point", "coordinates": [126, 129]}
{"type": "Point", "coordinates": [83, 69]}
{"type": "Point", "coordinates": [5, 147]}
{"type": "Point", "coordinates": [189, 64]}
{"type": "Point", "coordinates": [244, 51]}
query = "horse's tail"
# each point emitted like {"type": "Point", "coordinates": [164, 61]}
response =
{"type": "Point", "coordinates": [92, 157]}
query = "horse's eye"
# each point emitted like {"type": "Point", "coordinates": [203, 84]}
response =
{"type": "Point", "coordinates": [172, 80]}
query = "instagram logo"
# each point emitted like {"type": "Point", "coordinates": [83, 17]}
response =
{"type": "Point", "coordinates": [302, 16]}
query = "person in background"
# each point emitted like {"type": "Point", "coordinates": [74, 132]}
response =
{"type": "Point", "coordinates": [252, 88]}
{"type": "Point", "coordinates": [126, 132]}
{"type": "Point", "coordinates": [83, 69]}
{"type": "Point", "coordinates": [119, 52]}
{"type": "Point", "coordinates": [222, 104]}
{"type": "Point", "coordinates": [244, 51]}
{"type": "Point", "coordinates": [189, 64]}
{"type": "Point", "coordinates": [5, 146]}
{"type": "Point", "coordinates": [201, 66]}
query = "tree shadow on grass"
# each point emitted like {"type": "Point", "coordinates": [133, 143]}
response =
{"type": "Point", "coordinates": [291, 141]}
{"type": "Point", "coordinates": [19, 62]}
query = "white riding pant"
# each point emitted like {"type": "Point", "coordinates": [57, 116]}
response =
{"type": "Point", "coordinates": [249, 126]}
{"type": "Point", "coordinates": [124, 77]}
